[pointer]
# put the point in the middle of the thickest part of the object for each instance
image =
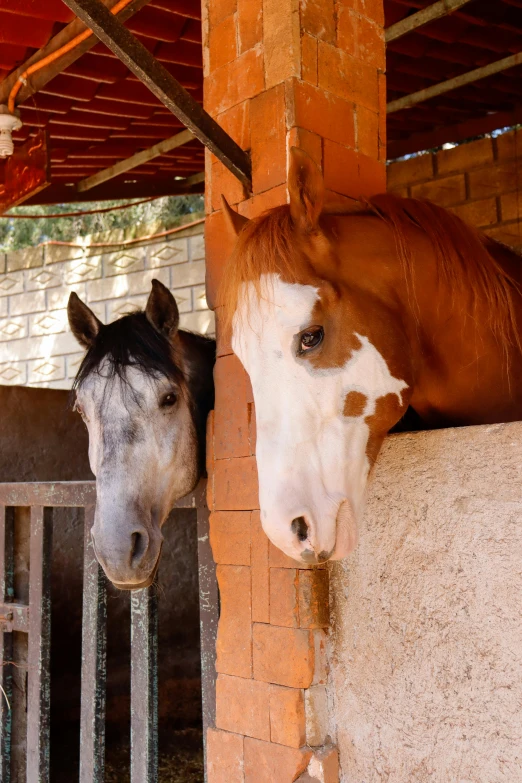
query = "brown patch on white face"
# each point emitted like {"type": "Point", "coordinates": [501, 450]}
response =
{"type": "Point", "coordinates": [354, 404]}
{"type": "Point", "coordinates": [388, 411]}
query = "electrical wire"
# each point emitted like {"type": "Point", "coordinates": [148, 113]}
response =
{"type": "Point", "coordinates": [80, 214]}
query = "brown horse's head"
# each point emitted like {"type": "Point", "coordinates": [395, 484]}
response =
{"type": "Point", "coordinates": [328, 381]}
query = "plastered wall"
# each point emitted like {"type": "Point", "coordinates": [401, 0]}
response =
{"type": "Point", "coordinates": [425, 646]}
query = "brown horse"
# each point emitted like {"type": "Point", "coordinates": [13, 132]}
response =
{"type": "Point", "coordinates": [342, 321]}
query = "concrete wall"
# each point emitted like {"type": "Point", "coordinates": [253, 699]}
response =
{"type": "Point", "coordinates": [426, 640]}
{"type": "Point", "coordinates": [36, 346]}
{"type": "Point", "coordinates": [479, 181]}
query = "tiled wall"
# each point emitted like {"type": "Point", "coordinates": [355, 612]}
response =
{"type": "Point", "coordinates": [36, 346]}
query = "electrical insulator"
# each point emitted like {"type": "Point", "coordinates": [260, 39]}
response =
{"type": "Point", "coordinates": [8, 123]}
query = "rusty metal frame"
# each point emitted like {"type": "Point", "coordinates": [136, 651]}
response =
{"type": "Point", "coordinates": [34, 619]}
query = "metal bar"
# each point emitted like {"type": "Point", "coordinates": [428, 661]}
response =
{"type": "Point", "coordinates": [159, 81]}
{"type": "Point", "coordinates": [94, 662]}
{"type": "Point", "coordinates": [6, 641]}
{"type": "Point", "coordinates": [452, 84]}
{"type": "Point", "coordinates": [429, 14]}
{"type": "Point", "coordinates": [42, 77]}
{"type": "Point", "coordinates": [49, 493]}
{"type": "Point", "coordinates": [208, 614]}
{"type": "Point", "coordinates": [135, 160]}
{"type": "Point", "coordinates": [144, 686]}
{"type": "Point", "coordinates": [39, 679]}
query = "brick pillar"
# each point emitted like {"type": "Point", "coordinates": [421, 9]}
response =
{"type": "Point", "coordinates": [277, 73]}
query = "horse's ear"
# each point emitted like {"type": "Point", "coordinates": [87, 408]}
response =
{"type": "Point", "coordinates": [161, 310]}
{"type": "Point", "coordinates": [233, 219]}
{"type": "Point", "coordinates": [84, 324]}
{"type": "Point", "coordinates": [306, 188]}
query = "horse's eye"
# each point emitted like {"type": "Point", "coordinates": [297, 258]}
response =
{"type": "Point", "coordinates": [169, 400]}
{"type": "Point", "coordinates": [311, 338]}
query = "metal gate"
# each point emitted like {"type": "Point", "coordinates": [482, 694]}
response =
{"type": "Point", "coordinates": [33, 618]}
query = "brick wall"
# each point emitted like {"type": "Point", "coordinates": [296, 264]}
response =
{"type": "Point", "coordinates": [277, 73]}
{"type": "Point", "coordinates": [480, 181]}
{"type": "Point", "coordinates": [36, 346]}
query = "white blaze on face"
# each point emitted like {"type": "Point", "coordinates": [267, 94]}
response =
{"type": "Point", "coordinates": [311, 459]}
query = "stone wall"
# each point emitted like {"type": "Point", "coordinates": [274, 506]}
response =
{"type": "Point", "coordinates": [425, 648]}
{"type": "Point", "coordinates": [36, 346]}
{"type": "Point", "coordinates": [480, 181]}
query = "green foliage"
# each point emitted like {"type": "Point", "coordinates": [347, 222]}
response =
{"type": "Point", "coordinates": [165, 212]}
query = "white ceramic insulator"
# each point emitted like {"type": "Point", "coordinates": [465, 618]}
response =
{"type": "Point", "coordinates": [8, 123]}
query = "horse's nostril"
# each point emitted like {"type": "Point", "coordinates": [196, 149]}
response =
{"type": "Point", "coordinates": [139, 543]}
{"type": "Point", "coordinates": [300, 528]}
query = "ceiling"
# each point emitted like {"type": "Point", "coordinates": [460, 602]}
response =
{"type": "Point", "coordinates": [97, 113]}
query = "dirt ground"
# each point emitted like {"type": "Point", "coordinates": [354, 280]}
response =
{"type": "Point", "coordinates": [180, 762]}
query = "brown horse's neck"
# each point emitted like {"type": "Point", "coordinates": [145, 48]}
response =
{"type": "Point", "coordinates": [461, 369]}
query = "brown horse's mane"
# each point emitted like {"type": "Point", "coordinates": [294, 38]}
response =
{"type": "Point", "coordinates": [466, 258]}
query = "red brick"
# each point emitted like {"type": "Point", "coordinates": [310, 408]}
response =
{"type": "Point", "coordinates": [318, 19]}
{"type": "Point", "coordinates": [372, 175]}
{"type": "Point", "coordinates": [371, 9]}
{"type": "Point", "coordinates": [282, 41]}
{"type": "Point", "coordinates": [235, 484]}
{"type": "Point", "coordinates": [250, 23]}
{"type": "Point", "coordinates": [224, 757]}
{"type": "Point", "coordinates": [382, 117]}
{"type": "Point", "coordinates": [243, 706]}
{"type": "Point", "coordinates": [404, 172]}
{"type": "Point", "coordinates": [367, 132]}
{"type": "Point", "coordinates": [234, 639]}
{"type": "Point", "coordinates": [352, 173]}
{"type": "Point", "coordinates": [222, 43]}
{"type": "Point", "coordinates": [347, 77]}
{"type": "Point", "coordinates": [223, 337]}
{"type": "Point", "coordinates": [236, 122]}
{"type": "Point", "coordinates": [259, 203]}
{"type": "Point", "coordinates": [223, 182]}
{"type": "Point", "coordinates": [266, 762]}
{"type": "Point", "coordinates": [231, 423]}
{"type": "Point", "coordinates": [361, 37]}
{"type": "Point", "coordinates": [278, 559]}
{"type": "Point", "coordinates": [314, 607]}
{"type": "Point", "coordinates": [260, 572]}
{"type": "Point", "coordinates": [510, 234]}
{"type": "Point", "coordinates": [210, 460]}
{"type": "Point", "coordinates": [230, 537]}
{"type": "Point", "coordinates": [284, 597]}
{"type": "Point", "coordinates": [218, 246]}
{"type": "Point", "coordinates": [235, 82]}
{"type": "Point", "coordinates": [219, 10]}
{"type": "Point", "coordinates": [283, 656]}
{"type": "Point", "coordinates": [478, 213]}
{"type": "Point", "coordinates": [309, 59]}
{"type": "Point", "coordinates": [252, 428]}
{"type": "Point", "coordinates": [268, 135]}
{"type": "Point", "coordinates": [287, 716]}
{"type": "Point", "coordinates": [465, 156]}
{"type": "Point", "coordinates": [445, 191]}
{"type": "Point", "coordinates": [322, 113]}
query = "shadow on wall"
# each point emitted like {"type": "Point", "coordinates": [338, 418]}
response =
{"type": "Point", "coordinates": [41, 439]}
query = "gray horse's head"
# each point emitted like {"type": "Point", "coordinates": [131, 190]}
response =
{"type": "Point", "coordinates": [144, 389]}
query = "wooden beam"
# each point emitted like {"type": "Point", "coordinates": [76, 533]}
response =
{"type": "Point", "coordinates": [453, 84]}
{"type": "Point", "coordinates": [194, 179]}
{"type": "Point", "coordinates": [429, 14]}
{"type": "Point", "coordinates": [135, 160]}
{"type": "Point", "coordinates": [57, 193]}
{"type": "Point", "coordinates": [159, 81]}
{"type": "Point", "coordinates": [42, 77]}
{"type": "Point", "coordinates": [453, 133]}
